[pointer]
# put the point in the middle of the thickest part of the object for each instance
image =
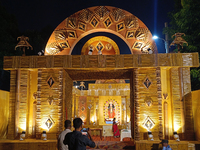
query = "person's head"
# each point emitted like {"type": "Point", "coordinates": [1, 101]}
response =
{"type": "Point", "coordinates": [164, 143]}
{"type": "Point", "coordinates": [67, 124]}
{"type": "Point", "coordinates": [77, 123]}
{"type": "Point", "coordinates": [114, 119]}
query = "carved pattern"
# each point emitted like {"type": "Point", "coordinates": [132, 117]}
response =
{"type": "Point", "coordinates": [165, 96]}
{"type": "Point", "coordinates": [60, 35]}
{"type": "Point", "coordinates": [71, 22]}
{"type": "Point", "coordinates": [108, 47]}
{"type": "Point", "coordinates": [82, 26]}
{"type": "Point", "coordinates": [131, 22]}
{"type": "Point", "coordinates": [49, 122]}
{"type": "Point", "coordinates": [148, 123]}
{"type": "Point", "coordinates": [142, 34]}
{"type": "Point", "coordinates": [99, 46]}
{"type": "Point", "coordinates": [159, 91]}
{"type": "Point", "coordinates": [120, 26]}
{"type": "Point", "coordinates": [50, 100]}
{"type": "Point", "coordinates": [53, 48]}
{"type": "Point", "coordinates": [130, 34]}
{"type": "Point", "coordinates": [147, 82]}
{"type": "Point", "coordinates": [50, 81]}
{"type": "Point", "coordinates": [107, 22]}
{"type": "Point", "coordinates": [148, 100]}
{"type": "Point", "coordinates": [137, 45]}
{"type": "Point", "coordinates": [64, 45]}
{"type": "Point", "coordinates": [94, 22]}
{"type": "Point", "coordinates": [85, 15]}
{"type": "Point", "coordinates": [148, 46]}
{"type": "Point", "coordinates": [118, 14]}
{"type": "Point", "coordinates": [71, 34]}
{"type": "Point", "coordinates": [101, 12]}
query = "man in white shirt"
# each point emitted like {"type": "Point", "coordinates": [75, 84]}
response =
{"type": "Point", "coordinates": [61, 137]}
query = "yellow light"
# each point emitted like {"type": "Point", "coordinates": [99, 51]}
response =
{"type": "Point", "coordinates": [176, 127]}
{"type": "Point", "coordinates": [128, 119]}
{"type": "Point", "coordinates": [92, 119]}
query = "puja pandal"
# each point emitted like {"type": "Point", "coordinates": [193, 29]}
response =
{"type": "Point", "coordinates": [111, 46]}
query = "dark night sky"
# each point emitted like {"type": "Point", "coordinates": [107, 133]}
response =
{"type": "Point", "coordinates": [36, 14]}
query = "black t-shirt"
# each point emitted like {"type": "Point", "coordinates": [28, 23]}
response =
{"type": "Point", "coordinates": [76, 141]}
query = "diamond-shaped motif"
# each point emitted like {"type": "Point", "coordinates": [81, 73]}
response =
{"type": "Point", "coordinates": [99, 46]}
{"type": "Point", "coordinates": [49, 122]}
{"type": "Point", "coordinates": [137, 45]}
{"type": "Point", "coordinates": [94, 22]}
{"type": "Point", "coordinates": [147, 83]}
{"type": "Point", "coordinates": [130, 34]}
{"type": "Point", "coordinates": [71, 34]}
{"type": "Point", "coordinates": [107, 22]}
{"type": "Point", "coordinates": [148, 123]}
{"type": "Point", "coordinates": [83, 108]}
{"type": "Point", "coordinates": [120, 26]}
{"type": "Point", "coordinates": [64, 45]}
{"type": "Point", "coordinates": [81, 26]}
{"type": "Point", "coordinates": [50, 81]}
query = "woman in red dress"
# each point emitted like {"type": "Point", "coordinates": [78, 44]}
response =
{"type": "Point", "coordinates": [115, 129]}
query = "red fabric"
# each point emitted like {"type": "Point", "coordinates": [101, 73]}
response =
{"type": "Point", "coordinates": [115, 130]}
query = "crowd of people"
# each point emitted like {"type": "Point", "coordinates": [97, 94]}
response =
{"type": "Point", "coordinates": [76, 140]}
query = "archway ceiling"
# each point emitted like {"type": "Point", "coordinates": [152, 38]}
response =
{"type": "Point", "coordinates": [100, 19]}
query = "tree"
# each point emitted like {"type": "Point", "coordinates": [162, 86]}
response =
{"type": "Point", "coordinates": [186, 19]}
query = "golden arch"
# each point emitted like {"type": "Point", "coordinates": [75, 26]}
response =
{"type": "Point", "coordinates": [100, 19]}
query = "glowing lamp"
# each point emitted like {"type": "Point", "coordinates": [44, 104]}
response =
{"type": "Point", "coordinates": [150, 136]}
{"type": "Point", "coordinates": [176, 137]}
{"type": "Point", "coordinates": [44, 135]}
{"type": "Point", "coordinates": [22, 136]}
{"type": "Point", "coordinates": [155, 37]}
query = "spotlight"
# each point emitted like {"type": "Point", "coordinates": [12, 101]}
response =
{"type": "Point", "coordinates": [150, 136]}
{"type": "Point", "coordinates": [44, 135]}
{"type": "Point", "coordinates": [155, 37]}
{"type": "Point", "coordinates": [22, 136]}
{"type": "Point", "coordinates": [176, 136]}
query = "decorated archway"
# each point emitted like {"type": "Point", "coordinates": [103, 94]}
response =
{"type": "Point", "coordinates": [106, 19]}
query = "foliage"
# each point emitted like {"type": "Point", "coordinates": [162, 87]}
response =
{"type": "Point", "coordinates": [186, 19]}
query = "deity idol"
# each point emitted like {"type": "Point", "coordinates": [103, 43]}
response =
{"type": "Point", "coordinates": [111, 110]}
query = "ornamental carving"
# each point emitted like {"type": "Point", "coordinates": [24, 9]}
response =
{"type": "Point", "coordinates": [71, 22]}
{"type": "Point", "coordinates": [107, 22]}
{"type": "Point", "coordinates": [148, 101]}
{"type": "Point", "coordinates": [50, 100]}
{"type": "Point", "coordinates": [148, 123]}
{"type": "Point", "coordinates": [71, 34]}
{"type": "Point", "coordinates": [117, 14]}
{"type": "Point", "coordinates": [131, 22]}
{"type": "Point", "coordinates": [85, 15]}
{"type": "Point", "coordinates": [147, 82]}
{"type": "Point", "coordinates": [60, 34]}
{"type": "Point", "coordinates": [82, 26]}
{"type": "Point", "coordinates": [130, 34]}
{"type": "Point", "coordinates": [101, 12]}
{"type": "Point", "coordinates": [50, 81]}
{"type": "Point", "coordinates": [142, 34]}
{"type": "Point", "coordinates": [120, 26]}
{"type": "Point", "coordinates": [49, 122]}
{"type": "Point", "coordinates": [94, 22]}
{"type": "Point", "coordinates": [53, 48]}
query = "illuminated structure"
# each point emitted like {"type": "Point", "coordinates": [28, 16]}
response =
{"type": "Point", "coordinates": [157, 99]}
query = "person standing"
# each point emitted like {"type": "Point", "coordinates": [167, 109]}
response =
{"type": "Point", "coordinates": [61, 137]}
{"type": "Point", "coordinates": [115, 129]}
{"type": "Point", "coordinates": [76, 140]}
